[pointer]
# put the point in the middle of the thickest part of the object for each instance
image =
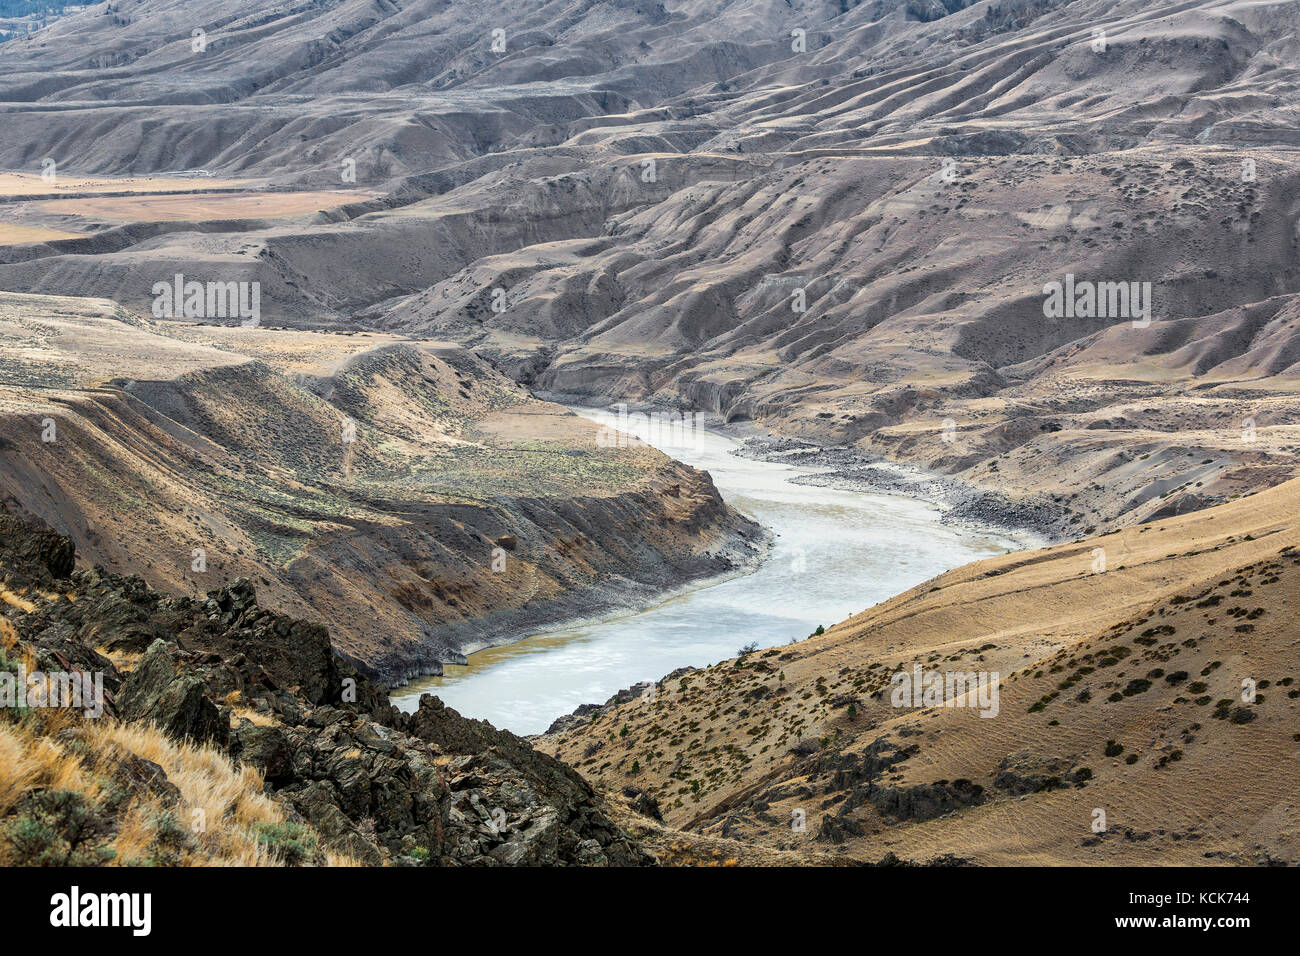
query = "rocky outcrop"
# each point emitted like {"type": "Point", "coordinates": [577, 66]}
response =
{"type": "Point", "coordinates": [158, 692]}
{"type": "Point", "coordinates": [1026, 772]}
{"type": "Point", "coordinates": [924, 801]}
{"type": "Point", "coordinates": [430, 788]}
{"type": "Point", "coordinates": [584, 712]}
{"type": "Point", "coordinates": [34, 552]}
{"type": "Point", "coordinates": [541, 811]}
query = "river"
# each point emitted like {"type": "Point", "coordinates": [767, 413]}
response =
{"type": "Point", "coordinates": [835, 553]}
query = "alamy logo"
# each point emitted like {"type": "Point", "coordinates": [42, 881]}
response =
{"type": "Point", "coordinates": [76, 690]}
{"type": "Point", "coordinates": [676, 429]}
{"type": "Point", "coordinates": [208, 300]}
{"type": "Point", "coordinates": [918, 688]}
{"type": "Point", "coordinates": [1098, 300]}
{"type": "Point", "coordinates": [133, 910]}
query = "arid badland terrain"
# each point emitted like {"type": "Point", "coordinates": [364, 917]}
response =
{"type": "Point", "coordinates": [833, 226]}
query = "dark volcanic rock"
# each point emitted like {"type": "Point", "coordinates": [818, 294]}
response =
{"type": "Point", "coordinates": [376, 784]}
{"type": "Point", "coordinates": [266, 748]}
{"type": "Point", "coordinates": [133, 775]}
{"type": "Point", "coordinates": [158, 693]}
{"type": "Point", "coordinates": [643, 803]}
{"type": "Point", "coordinates": [523, 805]}
{"type": "Point", "coordinates": [925, 801]}
{"type": "Point", "coordinates": [1024, 772]}
{"type": "Point", "coordinates": [294, 655]}
{"type": "Point", "coordinates": [836, 830]}
{"type": "Point", "coordinates": [34, 549]}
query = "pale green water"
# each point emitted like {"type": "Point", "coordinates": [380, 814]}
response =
{"type": "Point", "coordinates": [836, 553]}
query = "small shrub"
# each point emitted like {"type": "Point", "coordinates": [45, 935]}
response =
{"type": "Point", "coordinates": [1139, 685]}
{"type": "Point", "coordinates": [291, 843]}
{"type": "Point", "coordinates": [55, 828]}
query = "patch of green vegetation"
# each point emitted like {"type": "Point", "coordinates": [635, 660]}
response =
{"type": "Point", "coordinates": [290, 843]}
{"type": "Point", "coordinates": [55, 828]}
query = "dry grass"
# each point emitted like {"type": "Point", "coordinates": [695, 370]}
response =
{"type": "Point", "coordinates": [28, 761]}
{"type": "Point", "coordinates": [221, 802]}
{"type": "Point", "coordinates": [124, 661]}
{"type": "Point", "coordinates": [31, 184]}
{"type": "Point", "coordinates": [16, 600]}
{"type": "Point", "coordinates": [338, 859]}
{"type": "Point", "coordinates": [241, 711]}
{"type": "Point", "coordinates": [8, 634]}
{"type": "Point", "coordinates": [220, 808]}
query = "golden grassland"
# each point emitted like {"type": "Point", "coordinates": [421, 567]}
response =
{"type": "Point", "coordinates": [195, 207]}
{"type": "Point", "coordinates": [32, 184]}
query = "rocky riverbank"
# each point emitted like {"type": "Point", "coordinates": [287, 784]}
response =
{"type": "Point", "coordinates": [1031, 523]}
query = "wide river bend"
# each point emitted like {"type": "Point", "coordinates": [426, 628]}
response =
{"type": "Point", "coordinates": [835, 553]}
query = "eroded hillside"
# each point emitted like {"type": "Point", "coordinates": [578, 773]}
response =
{"type": "Point", "coordinates": [835, 226]}
{"type": "Point", "coordinates": [403, 491]}
{"type": "Point", "coordinates": [836, 220]}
